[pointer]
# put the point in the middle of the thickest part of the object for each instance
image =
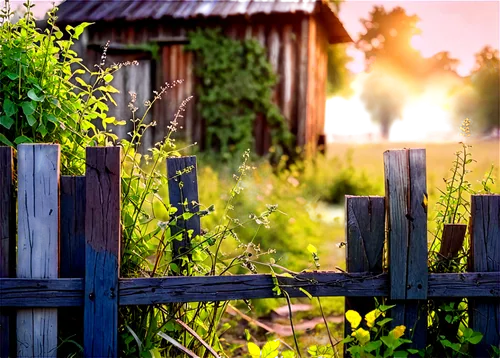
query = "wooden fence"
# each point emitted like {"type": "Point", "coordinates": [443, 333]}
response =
{"type": "Point", "coordinates": [60, 217]}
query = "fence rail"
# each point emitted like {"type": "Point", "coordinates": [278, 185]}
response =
{"type": "Point", "coordinates": [60, 217]}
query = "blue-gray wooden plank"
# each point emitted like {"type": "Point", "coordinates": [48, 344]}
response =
{"type": "Point", "coordinates": [183, 195]}
{"type": "Point", "coordinates": [406, 200]}
{"type": "Point", "coordinates": [102, 252]}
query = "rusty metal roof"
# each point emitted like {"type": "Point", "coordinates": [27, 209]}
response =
{"type": "Point", "coordinates": [73, 11]}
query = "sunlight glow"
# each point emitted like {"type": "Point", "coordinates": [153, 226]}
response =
{"type": "Point", "coordinates": [417, 42]}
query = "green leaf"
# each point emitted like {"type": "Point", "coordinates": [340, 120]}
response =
{"type": "Point", "coordinates": [475, 338]}
{"type": "Point", "coordinates": [384, 308]}
{"type": "Point", "coordinates": [12, 76]}
{"type": "Point", "coordinates": [6, 121]}
{"type": "Point", "coordinates": [82, 83]}
{"type": "Point", "coordinates": [79, 29]}
{"type": "Point", "coordinates": [51, 118]}
{"type": "Point", "coordinates": [312, 249]}
{"type": "Point", "coordinates": [31, 120]}
{"type": "Point", "coordinates": [22, 139]}
{"type": "Point", "coordinates": [32, 95]}
{"type": "Point", "coordinates": [5, 141]}
{"type": "Point", "coordinates": [400, 354]}
{"type": "Point", "coordinates": [199, 255]}
{"type": "Point", "coordinates": [384, 321]}
{"type": "Point", "coordinates": [108, 77]}
{"type": "Point", "coordinates": [371, 346]}
{"type": "Point", "coordinates": [290, 354]}
{"type": "Point", "coordinates": [42, 130]}
{"type": "Point", "coordinates": [9, 107]}
{"type": "Point", "coordinates": [28, 108]}
{"type": "Point", "coordinates": [253, 349]}
{"type": "Point", "coordinates": [247, 335]}
{"type": "Point", "coordinates": [270, 349]}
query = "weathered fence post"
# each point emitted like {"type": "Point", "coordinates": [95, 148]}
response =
{"type": "Point", "coordinates": [102, 251]}
{"type": "Point", "coordinates": [406, 204]}
{"type": "Point", "coordinates": [72, 254]}
{"type": "Point", "coordinates": [38, 242]}
{"type": "Point", "coordinates": [7, 246]}
{"type": "Point", "coordinates": [365, 236]}
{"type": "Point", "coordinates": [485, 245]}
{"type": "Point", "coordinates": [183, 195]}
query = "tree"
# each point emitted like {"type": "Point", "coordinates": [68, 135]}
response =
{"type": "Point", "coordinates": [479, 100]}
{"type": "Point", "coordinates": [394, 66]}
{"type": "Point", "coordinates": [338, 75]}
{"type": "Point", "coordinates": [387, 37]}
{"type": "Point", "coordinates": [384, 94]}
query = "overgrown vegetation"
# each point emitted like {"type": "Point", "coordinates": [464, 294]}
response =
{"type": "Point", "coordinates": [236, 85]}
{"type": "Point", "coordinates": [44, 97]}
{"type": "Point", "coordinates": [449, 334]}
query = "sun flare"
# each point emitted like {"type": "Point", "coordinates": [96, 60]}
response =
{"type": "Point", "coordinates": [417, 42]}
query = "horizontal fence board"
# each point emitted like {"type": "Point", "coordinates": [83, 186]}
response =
{"type": "Point", "coordinates": [220, 288]}
{"type": "Point", "coordinates": [68, 292]}
{"type": "Point", "coordinates": [31, 292]}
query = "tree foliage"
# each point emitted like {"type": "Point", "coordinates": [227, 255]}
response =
{"type": "Point", "coordinates": [397, 71]}
{"type": "Point", "coordinates": [236, 84]}
{"type": "Point", "coordinates": [479, 98]}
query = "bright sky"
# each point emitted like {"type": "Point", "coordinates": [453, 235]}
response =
{"type": "Point", "coordinates": [460, 27]}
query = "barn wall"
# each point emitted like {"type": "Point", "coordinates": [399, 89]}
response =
{"type": "Point", "coordinates": [291, 41]}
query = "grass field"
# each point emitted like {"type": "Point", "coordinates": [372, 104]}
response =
{"type": "Point", "coordinates": [368, 157]}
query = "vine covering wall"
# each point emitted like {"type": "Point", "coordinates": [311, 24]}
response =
{"type": "Point", "coordinates": [235, 85]}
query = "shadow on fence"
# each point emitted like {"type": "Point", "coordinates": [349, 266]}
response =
{"type": "Point", "coordinates": [59, 217]}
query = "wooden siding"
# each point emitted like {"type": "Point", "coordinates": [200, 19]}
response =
{"type": "Point", "coordinates": [296, 46]}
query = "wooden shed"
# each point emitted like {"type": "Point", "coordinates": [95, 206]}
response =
{"type": "Point", "coordinates": [296, 34]}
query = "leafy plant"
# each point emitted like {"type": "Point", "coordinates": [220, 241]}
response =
{"type": "Point", "coordinates": [43, 94]}
{"type": "Point", "coordinates": [374, 339]}
{"type": "Point", "coordinates": [236, 84]}
{"type": "Point", "coordinates": [449, 334]}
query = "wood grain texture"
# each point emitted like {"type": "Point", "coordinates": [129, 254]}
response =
{"type": "Point", "coordinates": [68, 292]}
{"type": "Point", "coordinates": [452, 240]}
{"type": "Point", "coordinates": [38, 242]}
{"type": "Point", "coordinates": [396, 193]}
{"type": "Point", "coordinates": [183, 189]}
{"type": "Point", "coordinates": [417, 222]}
{"type": "Point", "coordinates": [485, 237]}
{"type": "Point", "coordinates": [102, 251]}
{"type": "Point", "coordinates": [72, 227]}
{"type": "Point", "coordinates": [7, 246]}
{"type": "Point", "coordinates": [365, 236]}
{"type": "Point", "coordinates": [72, 256]}
{"type": "Point", "coordinates": [405, 182]}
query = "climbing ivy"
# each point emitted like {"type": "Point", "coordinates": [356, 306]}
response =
{"type": "Point", "coordinates": [235, 86]}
